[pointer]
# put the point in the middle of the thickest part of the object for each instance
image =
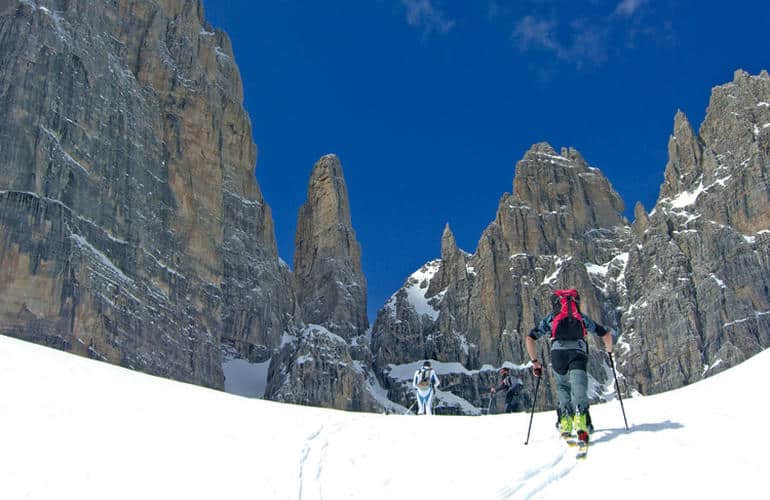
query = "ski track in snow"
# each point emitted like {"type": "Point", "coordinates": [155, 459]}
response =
{"type": "Point", "coordinates": [539, 476]}
{"type": "Point", "coordinates": [309, 463]}
{"type": "Point", "coordinates": [313, 458]}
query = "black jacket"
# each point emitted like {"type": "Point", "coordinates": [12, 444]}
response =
{"type": "Point", "coordinates": [512, 388]}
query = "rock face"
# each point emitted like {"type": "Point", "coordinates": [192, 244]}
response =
{"type": "Point", "coordinates": [403, 329]}
{"type": "Point", "coordinates": [328, 362]}
{"type": "Point", "coordinates": [698, 268]}
{"type": "Point", "coordinates": [562, 226]}
{"type": "Point", "coordinates": [131, 227]}
{"type": "Point", "coordinates": [687, 284]}
{"type": "Point", "coordinates": [331, 288]}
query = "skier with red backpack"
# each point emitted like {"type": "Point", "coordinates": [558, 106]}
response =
{"type": "Point", "coordinates": [568, 328]}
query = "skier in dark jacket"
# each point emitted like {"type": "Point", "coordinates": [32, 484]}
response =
{"type": "Point", "coordinates": [511, 387]}
{"type": "Point", "coordinates": [567, 328]}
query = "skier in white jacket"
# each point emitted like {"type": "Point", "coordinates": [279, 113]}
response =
{"type": "Point", "coordinates": [424, 382]}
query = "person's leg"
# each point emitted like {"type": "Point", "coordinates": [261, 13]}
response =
{"type": "Point", "coordinates": [578, 375]}
{"type": "Point", "coordinates": [565, 405]}
{"type": "Point", "coordinates": [429, 403]}
{"type": "Point", "coordinates": [578, 380]}
{"type": "Point", "coordinates": [577, 363]}
{"type": "Point", "coordinates": [560, 365]}
{"type": "Point", "coordinates": [510, 402]}
{"type": "Point", "coordinates": [563, 393]}
{"type": "Point", "coordinates": [420, 405]}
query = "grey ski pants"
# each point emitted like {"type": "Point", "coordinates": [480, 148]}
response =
{"type": "Point", "coordinates": [572, 391]}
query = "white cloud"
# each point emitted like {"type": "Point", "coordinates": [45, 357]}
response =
{"type": "Point", "coordinates": [589, 43]}
{"type": "Point", "coordinates": [536, 33]}
{"type": "Point", "coordinates": [590, 39]}
{"type": "Point", "coordinates": [586, 43]}
{"type": "Point", "coordinates": [627, 8]}
{"type": "Point", "coordinates": [426, 15]}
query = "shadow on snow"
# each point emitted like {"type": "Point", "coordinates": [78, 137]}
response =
{"type": "Point", "coordinates": [610, 434]}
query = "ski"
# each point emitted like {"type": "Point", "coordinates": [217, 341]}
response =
{"type": "Point", "coordinates": [582, 450]}
{"type": "Point", "coordinates": [582, 446]}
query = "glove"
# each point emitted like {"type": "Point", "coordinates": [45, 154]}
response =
{"type": "Point", "coordinates": [492, 390]}
{"type": "Point", "coordinates": [537, 368]}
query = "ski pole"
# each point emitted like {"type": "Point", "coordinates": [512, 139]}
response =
{"type": "Point", "coordinates": [409, 410]}
{"type": "Point", "coordinates": [617, 389]}
{"type": "Point", "coordinates": [490, 404]}
{"type": "Point", "coordinates": [537, 386]}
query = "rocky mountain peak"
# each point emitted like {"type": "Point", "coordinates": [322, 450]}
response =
{"type": "Point", "coordinates": [330, 285]}
{"type": "Point", "coordinates": [556, 199]}
{"type": "Point", "coordinates": [641, 220]}
{"type": "Point", "coordinates": [452, 268]}
{"type": "Point", "coordinates": [552, 183]}
{"type": "Point", "coordinates": [730, 153]}
{"type": "Point", "coordinates": [326, 362]}
{"type": "Point", "coordinates": [698, 266]}
{"type": "Point", "coordinates": [575, 156]}
{"type": "Point", "coordinates": [684, 153]}
{"type": "Point", "coordinates": [742, 77]}
{"type": "Point", "coordinates": [448, 242]}
{"type": "Point", "coordinates": [736, 118]}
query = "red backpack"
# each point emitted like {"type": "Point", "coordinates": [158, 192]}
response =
{"type": "Point", "coordinates": [567, 323]}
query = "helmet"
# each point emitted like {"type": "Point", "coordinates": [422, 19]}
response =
{"type": "Point", "coordinates": [426, 364]}
{"type": "Point", "coordinates": [504, 370]}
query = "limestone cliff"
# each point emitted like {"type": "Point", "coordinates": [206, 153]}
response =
{"type": "Point", "coordinates": [131, 226]}
{"type": "Point", "coordinates": [697, 279]}
{"type": "Point", "coordinates": [328, 362]}
{"type": "Point", "coordinates": [331, 288]}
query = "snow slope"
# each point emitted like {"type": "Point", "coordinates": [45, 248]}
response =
{"type": "Point", "coordinates": [72, 428]}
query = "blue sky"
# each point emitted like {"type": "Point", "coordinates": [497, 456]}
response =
{"type": "Point", "coordinates": [430, 103]}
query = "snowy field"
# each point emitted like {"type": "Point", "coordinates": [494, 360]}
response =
{"type": "Point", "coordinates": [71, 428]}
